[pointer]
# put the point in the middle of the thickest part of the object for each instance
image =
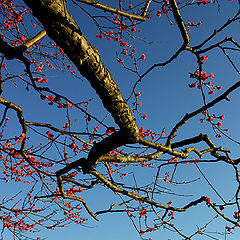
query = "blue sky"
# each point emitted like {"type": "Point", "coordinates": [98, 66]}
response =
{"type": "Point", "coordinates": [165, 98]}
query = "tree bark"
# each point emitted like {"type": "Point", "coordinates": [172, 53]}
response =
{"type": "Point", "coordinates": [61, 27]}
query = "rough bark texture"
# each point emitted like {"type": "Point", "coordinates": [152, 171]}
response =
{"type": "Point", "coordinates": [61, 27]}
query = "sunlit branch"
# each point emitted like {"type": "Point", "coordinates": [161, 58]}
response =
{"type": "Point", "coordinates": [180, 22]}
{"type": "Point", "coordinates": [116, 188]}
{"type": "Point", "coordinates": [145, 9]}
{"type": "Point", "coordinates": [128, 158]}
{"type": "Point", "coordinates": [113, 10]}
{"type": "Point", "coordinates": [60, 186]}
{"type": "Point", "coordinates": [168, 223]}
{"type": "Point", "coordinates": [29, 43]}
{"type": "Point", "coordinates": [90, 66]}
{"type": "Point", "coordinates": [221, 214]}
{"type": "Point", "coordinates": [166, 149]}
{"type": "Point", "coordinates": [17, 52]}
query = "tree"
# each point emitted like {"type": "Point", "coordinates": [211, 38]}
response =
{"type": "Point", "coordinates": [63, 159]}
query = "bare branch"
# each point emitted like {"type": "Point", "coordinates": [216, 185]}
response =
{"type": "Point", "coordinates": [113, 10]}
{"type": "Point", "coordinates": [196, 112]}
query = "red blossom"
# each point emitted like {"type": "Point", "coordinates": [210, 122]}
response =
{"type": "Point", "coordinates": [207, 199]}
{"type": "Point", "coordinates": [86, 147]}
{"type": "Point", "coordinates": [159, 13]}
{"type": "Point", "coordinates": [143, 57]}
{"type": "Point", "coordinates": [110, 130]}
{"type": "Point", "coordinates": [50, 135]}
{"type": "Point", "coordinates": [43, 97]}
{"type": "Point", "coordinates": [50, 98]}
{"type": "Point", "coordinates": [41, 80]}
{"type": "Point", "coordinates": [23, 135]}
{"type": "Point", "coordinates": [166, 180]}
{"type": "Point", "coordinates": [120, 60]}
{"type": "Point", "coordinates": [70, 105]}
{"type": "Point", "coordinates": [72, 145]}
{"type": "Point", "coordinates": [205, 58]}
{"type": "Point", "coordinates": [66, 125]}
{"type": "Point", "coordinates": [138, 94]}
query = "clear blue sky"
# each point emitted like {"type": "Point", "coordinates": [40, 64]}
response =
{"type": "Point", "coordinates": [165, 98]}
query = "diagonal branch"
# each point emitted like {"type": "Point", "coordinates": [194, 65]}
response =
{"type": "Point", "coordinates": [113, 10]}
{"type": "Point", "coordinates": [145, 9]}
{"type": "Point", "coordinates": [19, 111]}
{"type": "Point", "coordinates": [216, 31]}
{"type": "Point", "coordinates": [61, 27]}
{"type": "Point", "coordinates": [116, 188]}
{"type": "Point", "coordinates": [179, 21]}
{"type": "Point", "coordinates": [196, 112]}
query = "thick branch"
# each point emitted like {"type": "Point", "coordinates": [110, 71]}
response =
{"type": "Point", "coordinates": [62, 28]}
